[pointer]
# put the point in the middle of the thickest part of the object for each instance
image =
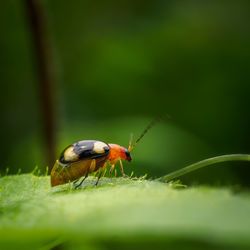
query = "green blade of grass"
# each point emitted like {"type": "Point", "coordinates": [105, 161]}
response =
{"type": "Point", "coordinates": [204, 163]}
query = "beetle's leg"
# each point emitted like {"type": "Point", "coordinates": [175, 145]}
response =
{"type": "Point", "coordinates": [82, 180]}
{"type": "Point", "coordinates": [75, 181]}
{"type": "Point", "coordinates": [91, 166]}
{"type": "Point", "coordinates": [111, 170]}
{"type": "Point", "coordinates": [100, 175]}
{"type": "Point", "coordinates": [123, 174]}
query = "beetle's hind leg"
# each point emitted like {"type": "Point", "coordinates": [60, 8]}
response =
{"type": "Point", "coordinates": [82, 180]}
{"type": "Point", "coordinates": [91, 166]}
{"type": "Point", "coordinates": [75, 181]}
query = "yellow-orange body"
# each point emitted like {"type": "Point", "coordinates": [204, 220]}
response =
{"type": "Point", "coordinates": [64, 173]}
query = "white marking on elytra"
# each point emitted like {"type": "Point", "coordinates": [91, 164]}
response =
{"type": "Point", "coordinates": [99, 147]}
{"type": "Point", "coordinates": [82, 147]}
{"type": "Point", "coordinates": [70, 155]}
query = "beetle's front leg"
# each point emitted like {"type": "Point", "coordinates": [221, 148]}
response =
{"type": "Point", "coordinates": [123, 174]}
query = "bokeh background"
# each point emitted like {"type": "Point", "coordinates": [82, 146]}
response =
{"type": "Point", "coordinates": [119, 64]}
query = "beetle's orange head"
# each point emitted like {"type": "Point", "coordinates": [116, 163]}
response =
{"type": "Point", "coordinates": [118, 152]}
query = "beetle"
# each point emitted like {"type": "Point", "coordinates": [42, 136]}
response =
{"type": "Point", "coordinates": [88, 156]}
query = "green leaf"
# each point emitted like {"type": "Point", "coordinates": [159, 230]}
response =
{"type": "Point", "coordinates": [120, 213]}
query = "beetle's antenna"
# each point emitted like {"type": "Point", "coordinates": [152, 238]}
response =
{"type": "Point", "coordinates": [155, 121]}
{"type": "Point", "coordinates": [130, 140]}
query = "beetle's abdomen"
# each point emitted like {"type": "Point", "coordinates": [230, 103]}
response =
{"type": "Point", "coordinates": [62, 174]}
{"type": "Point", "coordinates": [83, 150]}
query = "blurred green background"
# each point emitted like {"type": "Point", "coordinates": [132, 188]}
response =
{"type": "Point", "coordinates": [119, 64]}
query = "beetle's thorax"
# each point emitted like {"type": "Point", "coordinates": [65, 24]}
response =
{"type": "Point", "coordinates": [116, 153]}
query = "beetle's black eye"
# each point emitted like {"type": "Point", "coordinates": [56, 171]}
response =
{"type": "Point", "coordinates": [128, 155]}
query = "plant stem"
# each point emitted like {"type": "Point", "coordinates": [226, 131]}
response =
{"type": "Point", "coordinates": [204, 163]}
{"type": "Point", "coordinates": [39, 31]}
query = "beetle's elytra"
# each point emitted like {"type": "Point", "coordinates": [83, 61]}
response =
{"type": "Point", "coordinates": [84, 150]}
{"type": "Point", "coordinates": [84, 157]}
